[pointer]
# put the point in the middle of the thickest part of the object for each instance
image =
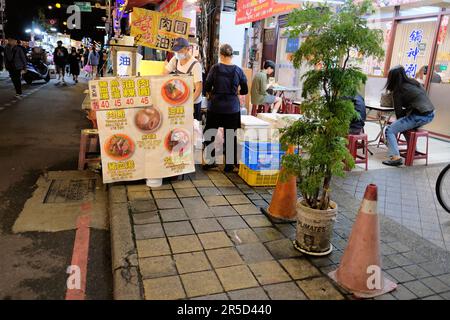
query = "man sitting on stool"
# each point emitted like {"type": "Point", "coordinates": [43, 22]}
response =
{"type": "Point", "coordinates": [259, 93]}
{"type": "Point", "coordinates": [357, 124]}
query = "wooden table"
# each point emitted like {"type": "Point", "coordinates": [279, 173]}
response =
{"type": "Point", "coordinates": [384, 115]}
{"type": "Point", "coordinates": [280, 91]}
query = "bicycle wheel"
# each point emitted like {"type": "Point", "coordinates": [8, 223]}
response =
{"type": "Point", "coordinates": [443, 188]}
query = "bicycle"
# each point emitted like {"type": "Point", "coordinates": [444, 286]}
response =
{"type": "Point", "coordinates": [443, 188]}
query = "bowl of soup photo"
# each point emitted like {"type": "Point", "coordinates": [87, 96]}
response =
{"type": "Point", "coordinates": [148, 120]}
{"type": "Point", "coordinates": [119, 147]}
{"type": "Point", "coordinates": [175, 91]}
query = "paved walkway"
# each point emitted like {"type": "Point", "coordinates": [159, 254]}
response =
{"type": "Point", "coordinates": [407, 196]}
{"type": "Point", "coordinates": [205, 238]}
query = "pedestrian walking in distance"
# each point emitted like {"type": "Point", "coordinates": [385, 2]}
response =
{"type": "Point", "coordinates": [16, 64]}
{"type": "Point", "coordinates": [60, 56]}
{"type": "Point", "coordinates": [93, 61]}
{"type": "Point", "coordinates": [74, 64]}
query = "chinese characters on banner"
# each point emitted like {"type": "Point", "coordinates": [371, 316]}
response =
{"type": "Point", "coordinates": [157, 30]}
{"type": "Point", "coordinates": [254, 10]}
{"type": "Point", "coordinates": [151, 142]}
{"type": "Point", "coordinates": [109, 93]}
{"type": "Point", "coordinates": [415, 40]}
{"type": "Point", "coordinates": [443, 30]}
{"type": "Point", "coordinates": [124, 63]}
{"type": "Point", "coordinates": [174, 7]}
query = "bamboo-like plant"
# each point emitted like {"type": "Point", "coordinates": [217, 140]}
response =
{"type": "Point", "coordinates": [330, 37]}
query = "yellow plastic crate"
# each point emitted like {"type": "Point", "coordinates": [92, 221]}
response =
{"type": "Point", "coordinates": [258, 178]}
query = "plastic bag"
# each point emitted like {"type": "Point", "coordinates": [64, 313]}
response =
{"type": "Point", "coordinates": [198, 135]}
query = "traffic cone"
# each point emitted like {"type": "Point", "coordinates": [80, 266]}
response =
{"type": "Point", "coordinates": [360, 269]}
{"type": "Point", "coordinates": [282, 208]}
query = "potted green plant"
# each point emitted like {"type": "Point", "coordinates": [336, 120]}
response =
{"type": "Point", "coordinates": [330, 37]}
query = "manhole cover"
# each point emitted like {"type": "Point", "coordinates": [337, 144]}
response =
{"type": "Point", "coordinates": [62, 191]}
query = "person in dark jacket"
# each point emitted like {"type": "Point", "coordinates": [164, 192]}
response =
{"type": "Point", "coordinates": [74, 63]}
{"type": "Point", "coordinates": [412, 107]}
{"type": "Point", "coordinates": [224, 109]}
{"type": "Point", "coordinates": [60, 56]}
{"type": "Point", "coordinates": [357, 125]}
{"type": "Point", "coordinates": [16, 64]}
{"type": "Point", "coordinates": [2, 50]}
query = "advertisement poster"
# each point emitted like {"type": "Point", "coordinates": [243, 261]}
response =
{"type": "Point", "coordinates": [150, 142]}
{"type": "Point", "coordinates": [158, 30]}
{"type": "Point", "coordinates": [110, 93]}
{"type": "Point", "coordinates": [254, 10]}
{"type": "Point", "coordinates": [174, 7]}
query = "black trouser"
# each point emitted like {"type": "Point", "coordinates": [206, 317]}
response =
{"type": "Point", "coordinates": [198, 111]}
{"type": "Point", "coordinates": [16, 80]}
{"type": "Point", "coordinates": [229, 122]}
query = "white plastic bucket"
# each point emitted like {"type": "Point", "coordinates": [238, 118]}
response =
{"type": "Point", "coordinates": [154, 183]}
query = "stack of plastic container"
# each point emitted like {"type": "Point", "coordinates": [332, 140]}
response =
{"type": "Point", "coordinates": [260, 152]}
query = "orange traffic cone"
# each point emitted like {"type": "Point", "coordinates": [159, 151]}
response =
{"type": "Point", "coordinates": [282, 208]}
{"type": "Point", "coordinates": [360, 268]}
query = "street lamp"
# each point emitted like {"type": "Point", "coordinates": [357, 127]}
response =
{"type": "Point", "coordinates": [53, 29]}
{"type": "Point", "coordinates": [50, 7]}
{"type": "Point", "coordinates": [37, 31]}
{"type": "Point", "coordinates": [58, 5]}
{"type": "Point", "coordinates": [28, 31]}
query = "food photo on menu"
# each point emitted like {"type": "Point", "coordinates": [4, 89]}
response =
{"type": "Point", "coordinates": [149, 119]}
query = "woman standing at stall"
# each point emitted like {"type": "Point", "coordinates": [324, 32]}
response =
{"type": "Point", "coordinates": [224, 109]}
{"type": "Point", "coordinates": [413, 109]}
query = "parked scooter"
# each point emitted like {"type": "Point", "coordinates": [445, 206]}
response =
{"type": "Point", "coordinates": [36, 71]}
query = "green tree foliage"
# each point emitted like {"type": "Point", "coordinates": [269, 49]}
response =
{"type": "Point", "coordinates": [322, 134]}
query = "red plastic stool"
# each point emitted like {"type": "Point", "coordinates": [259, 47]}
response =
{"type": "Point", "coordinates": [355, 143]}
{"type": "Point", "coordinates": [260, 108]}
{"type": "Point", "coordinates": [89, 148]}
{"type": "Point", "coordinates": [410, 153]}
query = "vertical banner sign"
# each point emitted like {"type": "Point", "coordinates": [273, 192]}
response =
{"type": "Point", "coordinates": [124, 63]}
{"type": "Point", "coordinates": [443, 30]}
{"type": "Point", "coordinates": [254, 10]}
{"type": "Point", "coordinates": [151, 142]}
{"type": "Point", "coordinates": [157, 30]}
{"type": "Point", "coordinates": [415, 41]}
{"type": "Point", "coordinates": [174, 7]}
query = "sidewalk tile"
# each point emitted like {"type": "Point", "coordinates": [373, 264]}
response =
{"type": "Point", "coordinates": [206, 225]}
{"type": "Point", "coordinates": [182, 184]}
{"type": "Point", "coordinates": [249, 294]}
{"type": "Point", "coordinates": [418, 288]}
{"type": "Point", "coordinates": [167, 288]}
{"type": "Point", "coordinates": [386, 296]}
{"type": "Point", "coordinates": [157, 267]}
{"type": "Point", "coordinates": [199, 212]}
{"type": "Point", "coordinates": [224, 211]}
{"type": "Point", "coordinates": [183, 244]}
{"type": "Point", "coordinates": [402, 293]}
{"type": "Point", "coordinates": [269, 272]}
{"type": "Point", "coordinates": [217, 296]}
{"type": "Point", "coordinates": [288, 230]}
{"type": "Point", "coordinates": [254, 196]}
{"type": "Point", "coordinates": [236, 277]}
{"type": "Point", "coordinates": [137, 188]}
{"type": "Point", "coordinates": [445, 295]}
{"type": "Point", "coordinates": [164, 194]}
{"type": "Point", "coordinates": [400, 275]}
{"type": "Point", "coordinates": [148, 231]}
{"type": "Point", "coordinates": [254, 252]}
{"type": "Point", "coordinates": [400, 260]}
{"type": "Point", "coordinates": [196, 203]}
{"type": "Point", "coordinates": [238, 199]}
{"type": "Point", "coordinates": [201, 283]}
{"type": "Point", "coordinates": [191, 262]}
{"type": "Point", "coordinates": [417, 272]}
{"type": "Point", "coordinates": [171, 215]}
{"type": "Point", "coordinates": [203, 183]}
{"type": "Point", "coordinates": [179, 228]}
{"type": "Point", "coordinates": [257, 221]}
{"type": "Point", "coordinates": [299, 268]}
{"type": "Point", "coordinates": [246, 209]}
{"type": "Point", "coordinates": [142, 206]}
{"type": "Point", "coordinates": [139, 195]}
{"type": "Point", "coordinates": [432, 268]}
{"type": "Point", "coordinates": [435, 284]}
{"type": "Point", "coordinates": [224, 257]}
{"type": "Point", "coordinates": [228, 191]}
{"type": "Point", "coordinates": [186, 193]}
{"type": "Point", "coordinates": [415, 257]}
{"type": "Point", "coordinates": [319, 289]}
{"type": "Point", "coordinates": [214, 240]}
{"type": "Point", "coordinates": [209, 191]}
{"type": "Point", "coordinates": [435, 297]}
{"type": "Point", "coordinates": [118, 194]}
{"type": "Point", "coordinates": [212, 201]}
{"type": "Point", "coordinates": [230, 223]}
{"type": "Point", "coordinates": [152, 247]}
{"type": "Point", "coordinates": [222, 183]}
{"type": "Point", "coordinates": [165, 186]}
{"type": "Point", "coordinates": [282, 249]}
{"type": "Point", "coordinates": [146, 217]}
{"type": "Point", "coordinates": [242, 236]}
{"type": "Point", "coordinates": [445, 278]}
{"type": "Point", "coordinates": [285, 291]}
{"type": "Point", "coordinates": [168, 203]}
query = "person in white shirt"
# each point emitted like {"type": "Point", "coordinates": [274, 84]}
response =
{"type": "Point", "coordinates": [184, 63]}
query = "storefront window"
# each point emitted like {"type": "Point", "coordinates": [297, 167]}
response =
{"type": "Point", "coordinates": [440, 82]}
{"type": "Point", "coordinates": [413, 45]}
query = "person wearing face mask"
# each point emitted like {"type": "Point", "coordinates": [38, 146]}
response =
{"type": "Point", "coordinates": [184, 63]}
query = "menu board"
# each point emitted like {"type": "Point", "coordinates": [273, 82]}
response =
{"type": "Point", "coordinates": [158, 30]}
{"type": "Point", "coordinates": [110, 93]}
{"type": "Point", "coordinates": [150, 142]}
